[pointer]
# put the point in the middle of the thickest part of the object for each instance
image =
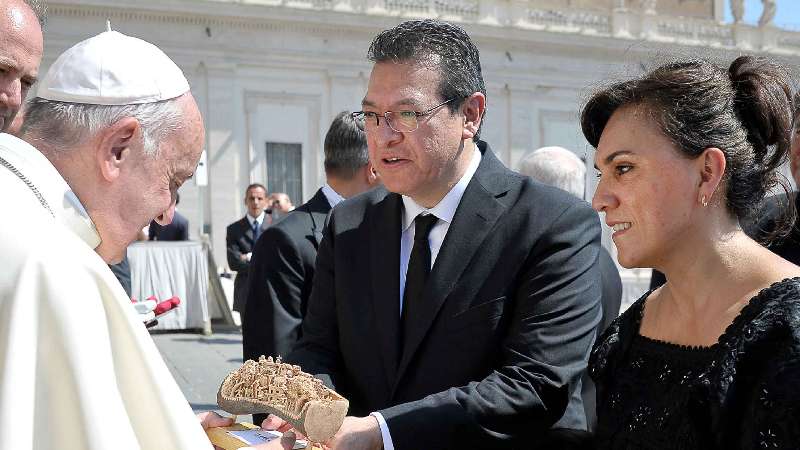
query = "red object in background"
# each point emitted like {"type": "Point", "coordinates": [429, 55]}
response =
{"type": "Point", "coordinates": [166, 305]}
{"type": "Point", "coordinates": [163, 307]}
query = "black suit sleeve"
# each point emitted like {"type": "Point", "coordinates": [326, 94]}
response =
{"type": "Point", "coordinates": [318, 350]}
{"type": "Point", "coordinates": [183, 231]}
{"type": "Point", "coordinates": [234, 252]}
{"type": "Point", "coordinates": [273, 312]}
{"type": "Point", "coordinates": [556, 313]}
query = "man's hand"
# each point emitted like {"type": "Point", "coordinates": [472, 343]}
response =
{"type": "Point", "coordinates": [245, 257]}
{"type": "Point", "coordinates": [210, 419]}
{"type": "Point", "coordinates": [275, 423]}
{"type": "Point", "coordinates": [358, 433]}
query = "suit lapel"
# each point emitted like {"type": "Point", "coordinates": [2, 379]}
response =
{"type": "Point", "coordinates": [384, 242]}
{"type": "Point", "coordinates": [247, 231]}
{"type": "Point", "coordinates": [475, 217]}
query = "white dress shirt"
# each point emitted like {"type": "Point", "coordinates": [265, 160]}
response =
{"type": "Point", "coordinates": [333, 197]}
{"type": "Point", "coordinates": [260, 218]}
{"type": "Point", "coordinates": [444, 211]}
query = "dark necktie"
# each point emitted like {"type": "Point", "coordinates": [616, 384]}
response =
{"type": "Point", "coordinates": [419, 266]}
{"type": "Point", "coordinates": [256, 231]}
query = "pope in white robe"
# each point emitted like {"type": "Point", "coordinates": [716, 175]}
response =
{"type": "Point", "coordinates": [77, 368]}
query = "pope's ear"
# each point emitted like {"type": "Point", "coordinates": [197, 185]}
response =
{"type": "Point", "coordinates": [114, 146]}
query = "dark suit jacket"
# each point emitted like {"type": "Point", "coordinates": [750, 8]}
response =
{"type": "Point", "coordinates": [178, 230]}
{"type": "Point", "coordinates": [122, 270]}
{"type": "Point", "coordinates": [611, 285]}
{"type": "Point", "coordinates": [502, 337]}
{"type": "Point", "coordinates": [281, 274]}
{"type": "Point", "coordinates": [239, 240]}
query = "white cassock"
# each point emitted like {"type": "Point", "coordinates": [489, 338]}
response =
{"type": "Point", "coordinates": [77, 369]}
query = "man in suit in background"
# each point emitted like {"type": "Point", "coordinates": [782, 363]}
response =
{"type": "Point", "coordinates": [177, 230]}
{"type": "Point", "coordinates": [282, 268]}
{"type": "Point", "coordinates": [456, 309]}
{"type": "Point", "coordinates": [559, 167]}
{"type": "Point", "coordinates": [241, 237]}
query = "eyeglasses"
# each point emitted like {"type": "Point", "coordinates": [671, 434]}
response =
{"type": "Point", "coordinates": [400, 121]}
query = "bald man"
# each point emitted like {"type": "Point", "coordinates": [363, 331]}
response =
{"type": "Point", "coordinates": [21, 45]}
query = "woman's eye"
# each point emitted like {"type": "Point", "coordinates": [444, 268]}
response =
{"type": "Point", "coordinates": [622, 169]}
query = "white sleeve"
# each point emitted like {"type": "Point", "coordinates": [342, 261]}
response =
{"type": "Point", "coordinates": [387, 438]}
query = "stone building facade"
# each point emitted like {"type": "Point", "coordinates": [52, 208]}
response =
{"type": "Point", "coordinates": [270, 75]}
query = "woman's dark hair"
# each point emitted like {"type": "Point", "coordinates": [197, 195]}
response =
{"type": "Point", "coordinates": [745, 111]}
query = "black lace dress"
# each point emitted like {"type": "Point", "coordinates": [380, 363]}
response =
{"type": "Point", "coordinates": [742, 392]}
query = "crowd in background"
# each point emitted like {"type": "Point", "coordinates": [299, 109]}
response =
{"type": "Point", "coordinates": [454, 302]}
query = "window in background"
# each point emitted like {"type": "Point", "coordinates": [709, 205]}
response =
{"type": "Point", "coordinates": [284, 170]}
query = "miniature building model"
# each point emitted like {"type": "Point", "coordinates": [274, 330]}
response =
{"type": "Point", "coordinates": [271, 386]}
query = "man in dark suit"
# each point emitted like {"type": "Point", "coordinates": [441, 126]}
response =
{"type": "Point", "coordinates": [561, 168]}
{"type": "Point", "coordinates": [240, 238]}
{"type": "Point", "coordinates": [282, 268]}
{"type": "Point", "coordinates": [455, 309]}
{"type": "Point", "coordinates": [177, 230]}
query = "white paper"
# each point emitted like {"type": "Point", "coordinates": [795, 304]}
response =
{"type": "Point", "coordinates": [259, 436]}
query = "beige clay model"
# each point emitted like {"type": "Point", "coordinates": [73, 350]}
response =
{"type": "Point", "coordinates": [284, 390]}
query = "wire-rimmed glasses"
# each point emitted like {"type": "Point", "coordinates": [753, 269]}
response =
{"type": "Point", "coordinates": [400, 121]}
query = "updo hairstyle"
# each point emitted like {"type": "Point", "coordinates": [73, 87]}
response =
{"type": "Point", "coordinates": [745, 111]}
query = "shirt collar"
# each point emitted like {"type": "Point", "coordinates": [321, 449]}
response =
{"type": "Point", "coordinates": [333, 197]}
{"type": "Point", "coordinates": [446, 208]}
{"type": "Point", "coordinates": [66, 206]}
{"type": "Point", "coordinates": [250, 219]}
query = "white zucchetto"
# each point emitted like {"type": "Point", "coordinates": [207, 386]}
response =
{"type": "Point", "coordinates": [113, 69]}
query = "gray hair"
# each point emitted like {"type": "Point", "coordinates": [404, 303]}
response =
{"type": "Point", "coordinates": [345, 147]}
{"type": "Point", "coordinates": [39, 8]}
{"type": "Point", "coordinates": [556, 166]}
{"type": "Point", "coordinates": [62, 124]}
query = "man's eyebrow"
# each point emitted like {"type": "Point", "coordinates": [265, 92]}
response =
{"type": "Point", "coordinates": [403, 101]}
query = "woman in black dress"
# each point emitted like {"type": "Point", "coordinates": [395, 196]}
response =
{"type": "Point", "coordinates": [712, 358]}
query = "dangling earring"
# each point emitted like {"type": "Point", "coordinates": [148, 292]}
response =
{"type": "Point", "coordinates": [703, 201]}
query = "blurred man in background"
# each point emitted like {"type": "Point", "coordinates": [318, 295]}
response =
{"type": "Point", "coordinates": [282, 270]}
{"type": "Point", "coordinates": [241, 237]}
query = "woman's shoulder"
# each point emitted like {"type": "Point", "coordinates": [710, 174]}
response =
{"type": "Point", "coordinates": [772, 315]}
{"type": "Point", "coordinates": [610, 344]}
{"type": "Point", "coordinates": [779, 304]}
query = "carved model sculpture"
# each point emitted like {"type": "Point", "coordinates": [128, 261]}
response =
{"type": "Point", "coordinates": [270, 386]}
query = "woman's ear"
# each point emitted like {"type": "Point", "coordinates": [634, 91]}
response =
{"type": "Point", "coordinates": [712, 168]}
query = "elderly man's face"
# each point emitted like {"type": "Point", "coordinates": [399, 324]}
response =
{"type": "Point", "coordinates": [147, 189]}
{"type": "Point", "coordinates": [280, 202]}
{"type": "Point", "coordinates": [20, 55]}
